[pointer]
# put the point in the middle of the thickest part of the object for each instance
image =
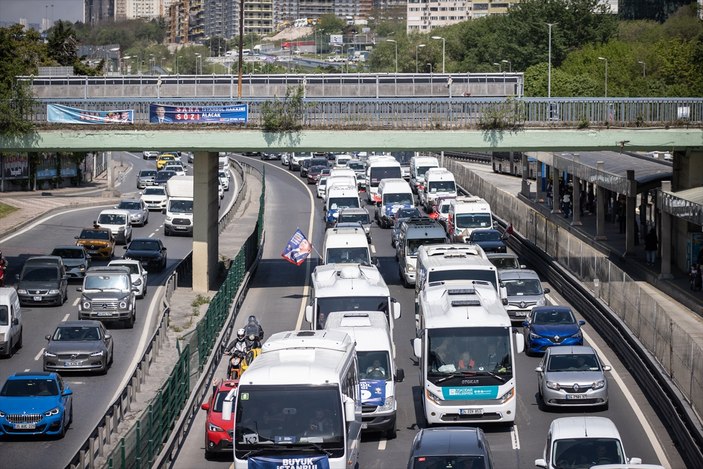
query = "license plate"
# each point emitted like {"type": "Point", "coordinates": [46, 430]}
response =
{"type": "Point", "coordinates": [520, 313]}
{"type": "Point", "coordinates": [25, 426]}
{"type": "Point", "coordinates": [71, 363]}
{"type": "Point", "coordinates": [104, 313]}
{"type": "Point", "coordinates": [470, 411]}
{"type": "Point", "coordinates": [364, 425]}
{"type": "Point", "coordinates": [576, 396]}
{"type": "Point", "coordinates": [180, 227]}
{"type": "Point", "coordinates": [37, 298]}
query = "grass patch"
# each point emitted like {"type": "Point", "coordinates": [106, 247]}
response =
{"type": "Point", "coordinates": [5, 209]}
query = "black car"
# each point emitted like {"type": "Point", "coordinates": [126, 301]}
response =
{"type": "Point", "coordinates": [309, 163]}
{"type": "Point", "coordinates": [162, 177]}
{"type": "Point", "coordinates": [450, 447]}
{"type": "Point", "coordinates": [489, 239]}
{"type": "Point", "coordinates": [151, 252]}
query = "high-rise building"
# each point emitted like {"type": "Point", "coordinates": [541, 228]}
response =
{"type": "Point", "coordinates": [425, 15]}
{"type": "Point", "coordinates": [221, 18]}
{"type": "Point", "coordinates": [97, 11]}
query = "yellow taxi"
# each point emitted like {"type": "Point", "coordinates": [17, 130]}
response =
{"type": "Point", "coordinates": [164, 159]}
{"type": "Point", "coordinates": [98, 242]}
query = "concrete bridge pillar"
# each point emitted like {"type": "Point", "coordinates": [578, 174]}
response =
{"type": "Point", "coordinates": [630, 203]}
{"type": "Point", "coordinates": [539, 181]}
{"type": "Point", "coordinates": [525, 176]}
{"type": "Point", "coordinates": [556, 191]}
{"type": "Point", "coordinates": [576, 203]}
{"type": "Point", "coordinates": [687, 170]}
{"type": "Point", "coordinates": [205, 210]}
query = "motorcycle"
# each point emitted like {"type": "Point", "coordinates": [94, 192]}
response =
{"type": "Point", "coordinates": [234, 370]}
{"type": "Point", "coordinates": [3, 268]}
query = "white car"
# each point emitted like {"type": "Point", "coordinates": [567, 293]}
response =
{"type": "Point", "coordinates": [155, 197]}
{"type": "Point", "coordinates": [224, 179]}
{"type": "Point", "coordinates": [137, 274]}
{"type": "Point", "coordinates": [176, 168]}
{"type": "Point", "coordinates": [220, 190]}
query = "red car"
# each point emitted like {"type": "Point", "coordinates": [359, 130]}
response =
{"type": "Point", "coordinates": [218, 432]}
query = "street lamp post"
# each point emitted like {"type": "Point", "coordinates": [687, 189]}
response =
{"type": "Point", "coordinates": [152, 61]}
{"type": "Point", "coordinates": [549, 66]}
{"type": "Point", "coordinates": [444, 43]}
{"type": "Point", "coordinates": [178, 57]}
{"type": "Point", "coordinates": [122, 64]}
{"type": "Point", "coordinates": [510, 65]}
{"type": "Point", "coordinates": [497, 64]}
{"type": "Point", "coordinates": [644, 68]}
{"type": "Point", "coordinates": [416, 48]}
{"type": "Point", "coordinates": [606, 74]}
{"type": "Point", "coordinates": [198, 57]}
{"type": "Point", "coordinates": [396, 53]}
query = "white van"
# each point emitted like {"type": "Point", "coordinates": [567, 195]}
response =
{"type": "Point", "coordinates": [10, 322]}
{"type": "Point", "coordinates": [394, 193]}
{"type": "Point", "coordinates": [347, 245]}
{"type": "Point", "coordinates": [378, 168]}
{"type": "Point", "coordinates": [332, 181]}
{"type": "Point", "coordinates": [118, 222]}
{"type": "Point", "coordinates": [465, 215]}
{"type": "Point", "coordinates": [439, 182]}
{"type": "Point", "coordinates": [339, 197]}
{"type": "Point", "coordinates": [378, 374]}
{"type": "Point", "coordinates": [342, 160]}
{"type": "Point", "coordinates": [418, 167]}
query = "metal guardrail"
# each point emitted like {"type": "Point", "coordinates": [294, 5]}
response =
{"type": "Point", "coordinates": [144, 440]}
{"type": "Point", "coordinates": [431, 113]}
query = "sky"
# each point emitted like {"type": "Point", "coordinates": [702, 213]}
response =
{"type": "Point", "coordinates": [34, 10]}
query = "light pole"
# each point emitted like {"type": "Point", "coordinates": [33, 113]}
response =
{"type": "Point", "coordinates": [644, 68]}
{"type": "Point", "coordinates": [122, 65]}
{"type": "Point", "coordinates": [178, 57]}
{"type": "Point", "coordinates": [549, 66]}
{"type": "Point", "coordinates": [152, 61]}
{"type": "Point", "coordinates": [416, 48]}
{"type": "Point", "coordinates": [116, 49]}
{"type": "Point", "coordinates": [444, 42]}
{"type": "Point", "coordinates": [197, 59]}
{"type": "Point", "coordinates": [510, 65]}
{"type": "Point", "coordinates": [396, 53]}
{"type": "Point", "coordinates": [606, 74]}
{"type": "Point", "coordinates": [497, 64]}
{"type": "Point", "coordinates": [430, 65]}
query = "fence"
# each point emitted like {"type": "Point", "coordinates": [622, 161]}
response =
{"type": "Point", "coordinates": [644, 315]}
{"type": "Point", "coordinates": [142, 443]}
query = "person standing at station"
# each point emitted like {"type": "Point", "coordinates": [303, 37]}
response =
{"type": "Point", "coordinates": [650, 246]}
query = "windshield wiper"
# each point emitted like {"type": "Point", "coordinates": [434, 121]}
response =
{"type": "Point", "coordinates": [462, 374]}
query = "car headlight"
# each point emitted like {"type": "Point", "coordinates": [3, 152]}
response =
{"type": "Point", "coordinates": [507, 396]}
{"type": "Point", "coordinates": [578, 335]}
{"type": "Point", "coordinates": [534, 336]}
{"type": "Point", "coordinates": [53, 291]}
{"type": "Point", "coordinates": [410, 267]}
{"type": "Point", "coordinates": [123, 304]}
{"type": "Point", "coordinates": [211, 427]}
{"type": "Point", "coordinates": [120, 229]}
{"type": "Point", "coordinates": [599, 384]}
{"type": "Point", "coordinates": [388, 403]}
{"type": "Point", "coordinates": [49, 354]}
{"type": "Point", "coordinates": [97, 354]}
{"type": "Point", "coordinates": [552, 385]}
{"type": "Point", "coordinates": [138, 282]}
{"type": "Point", "coordinates": [2, 414]}
{"type": "Point", "coordinates": [432, 396]}
{"type": "Point", "coordinates": [22, 291]}
{"type": "Point", "coordinates": [54, 411]}
{"type": "Point", "coordinates": [86, 304]}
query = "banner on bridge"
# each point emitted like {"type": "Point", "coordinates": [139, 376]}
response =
{"type": "Point", "coordinates": [69, 115]}
{"type": "Point", "coordinates": [164, 114]}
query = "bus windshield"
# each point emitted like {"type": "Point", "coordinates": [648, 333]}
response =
{"type": "Point", "coordinates": [455, 353]}
{"type": "Point", "coordinates": [473, 220]}
{"type": "Point", "coordinates": [378, 173]}
{"type": "Point", "coordinates": [288, 415]}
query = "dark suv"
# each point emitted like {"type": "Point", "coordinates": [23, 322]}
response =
{"type": "Point", "coordinates": [108, 295]}
{"type": "Point", "coordinates": [450, 447]}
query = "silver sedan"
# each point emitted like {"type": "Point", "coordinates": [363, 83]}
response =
{"type": "Point", "coordinates": [138, 211]}
{"type": "Point", "coordinates": [572, 376]}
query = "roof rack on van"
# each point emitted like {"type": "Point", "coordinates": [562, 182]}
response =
{"type": "Point", "coordinates": [421, 221]}
{"type": "Point", "coordinates": [469, 198]}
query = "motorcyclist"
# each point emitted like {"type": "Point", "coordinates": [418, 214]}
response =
{"type": "Point", "coordinates": [238, 349]}
{"type": "Point", "coordinates": [3, 268]}
{"type": "Point", "coordinates": [253, 325]}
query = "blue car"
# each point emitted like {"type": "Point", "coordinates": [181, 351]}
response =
{"type": "Point", "coordinates": [35, 403]}
{"type": "Point", "coordinates": [491, 240]}
{"type": "Point", "coordinates": [549, 326]}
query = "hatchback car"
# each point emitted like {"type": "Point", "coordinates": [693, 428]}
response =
{"type": "Point", "coordinates": [164, 159]}
{"type": "Point", "coordinates": [137, 274]}
{"type": "Point", "coordinates": [218, 431]}
{"type": "Point", "coordinates": [138, 211]}
{"type": "Point", "coordinates": [79, 346]}
{"type": "Point", "coordinates": [524, 290]}
{"type": "Point", "coordinates": [505, 260]}
{"type": "Point", "coordinates": [572, 376]}
{"type": "Point", "coordinates": [224, 179]}
{"type": "Point", "coordinates": [151, 252]}
{"type": "Point", "coordinates": [42, 284]}
{"type": "Point", "coordinates": [145, 178]}
{"type": "Point", "coordinates": [490, 239]}
{"type": "Point", "coordinates": [399, 217]}
{"type": "Point", "coordinates": [150, 154]}
{"type": "Point", "coordinates": [75, 259]}
{"type": "Point", "coordinates": [547, 326]}
{"type": "Point", "coordinates": [450, 447]}
{"type": "Point", "coordinates": [35, 403]}
{"type": "Point", "coordinates": [155, 197]}
{"type": "Point", "coordinates": [98, 242]}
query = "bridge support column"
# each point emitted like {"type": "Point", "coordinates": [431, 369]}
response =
{"type": "Point", "coordinates": [665, 246]}
{"type": "Point", "coordinates": [539, 181]}
{"type": "Point", "coordinates": [630, 202]}
{"type": "Point", "coordinates": [687, 170]}
{"type": "Point", "coordinates": [556, 191]}
{"type": "Point", "coordinates": [525, 176]}
{"type": "Point", "coordinates": [601, 207]}
{"type": "Point", "coordinates": [205, 233]}
{"type": "Point", "coordinates": [576, 203]}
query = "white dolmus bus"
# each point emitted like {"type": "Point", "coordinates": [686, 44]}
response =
{"type": "Point", "coordinates": [299, 403]}
{"type": "Point", "coordinates": [466, 351]}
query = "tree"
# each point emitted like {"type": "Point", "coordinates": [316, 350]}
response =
{"type": "Point", "coordinates": [63, 44]}
{"type": "Point", "coordinates": [330, 24]}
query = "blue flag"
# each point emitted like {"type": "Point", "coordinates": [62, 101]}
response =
{"type": "Point", "coordinates": [288, 461]}
{"type": "Point", "coordinates": [298, 248]}
{"type": "Point", "coordinates": [373, 391]}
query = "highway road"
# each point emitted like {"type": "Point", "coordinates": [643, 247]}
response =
{"type": "Point", "coordinates": [92, 394]}
{"type": "Point", "coordinates": [277, 296]}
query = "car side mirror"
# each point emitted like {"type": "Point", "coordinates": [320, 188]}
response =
{"type": "Point", "coordinates": [607, 368]}
{"type": "Point", "coordinates": [163, 211]}
{"type": "Point", "coordinates": [17, 276]}
{"type": "Point", "coordinates": [308, 313]}
{"type": "Point", "coordinates": [205, 406]}
{"type": "Point", "coordinates": [48, 337]}
{"type": "Point", "coordinates": [15, 322]}
{"type": "Point", "coordinates": [417, 347]}
{"type": "Point", "coordinates": [349, 409]}
{"type": "Point", "coordinates": [634, 461]}
{"type": "Point", "coordinates": [399, 375]}
{"type": "Point", "coordinates": [546, 290]}
{"type": "Point", "coordinates": [67, 392]}
{"type": "Point", "coordinates": [108, 336]}
{"type": "Point", "coordinates": [79, 288]}
{"type": "Point", "coordinates": [395, 307]}
{"type": "Point", "coordinates": [541, 463]}
{"type": "Point", "coordinates": [525, 324]}
{"type": "Point", "coordinates": [582, 322]}
{"type": "Point", "coordinates": [539, 369]}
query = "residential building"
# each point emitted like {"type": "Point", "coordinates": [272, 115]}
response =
{"type": "Point", "coordinates": [426, 15]}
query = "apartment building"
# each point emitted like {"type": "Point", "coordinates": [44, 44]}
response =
{"type": "Point", "coordinates": [426, 15]}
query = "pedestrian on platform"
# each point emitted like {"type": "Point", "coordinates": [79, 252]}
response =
{"type": "Point", "coordinates": [650, 246]}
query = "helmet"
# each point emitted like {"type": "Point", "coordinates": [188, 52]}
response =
{"type": "Point", "coordinates": [240, 334]}
{"type": "Point", "coordinates": [252, 318]}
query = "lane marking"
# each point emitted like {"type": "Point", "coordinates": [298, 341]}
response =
{"type": "Point", "coordinates": [382, 444]}
{"type": "Point", "coordinates": [373, 249]}
{"type": "Point", "coordinates": [656, 445]}
{"type": "Point", "coordinates": [39, 355]}
{"type": "Point", "coordinates": [68, 315]}
{"type": "Point", "coordinates": [75, 302]}
{"type": "Point", "coordinates": [27, 369]}
{"type": "Point", "coordinates": [515, 437]}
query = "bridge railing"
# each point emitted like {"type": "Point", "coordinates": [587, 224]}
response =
{"type": "Point", "coordinates": [436, 113]}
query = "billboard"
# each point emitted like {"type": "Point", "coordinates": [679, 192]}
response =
{"type": "Point", "coordinates": [57, 113]}
{"type": "Point", "coordinates": [165, 114]}
{"type": "Point", "coordinates": [15, 166]}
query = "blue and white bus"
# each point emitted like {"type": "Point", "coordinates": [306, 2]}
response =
{"type": "Point", "coordinates": [466, 349]}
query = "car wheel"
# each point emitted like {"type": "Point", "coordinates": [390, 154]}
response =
{"type": "Point", "coordinates": [129, 323]}
{"type": "Point", "coordinates": [19, 342]}
{"type": "Point", "coordinates": [112, 357]}
{"type": "Point", "coordinates": [167, 232]}
{"type": "Point", "coordinates": [605, 406]}
{"type": "Point", "coordinates": [391, 432]}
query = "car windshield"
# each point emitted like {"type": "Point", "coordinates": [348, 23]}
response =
{"type": "Point", "coordinates": [69, 253]}
{"type": "Point", "coordinates": [112, 219]}
{"type": "Point", "coordinates": [575, 362]}
{"type": "Point", "coordinates": [473, 220]}
{"type": "Point", "coordinates": [94, 234]}
{"type": "Point", "coordinates": [528, 287]}
{"type": "Point", "coordinates": [4, 316]}
{"type": "Point", "coordinates": [129, 206]}
{"type": "Point", "coordinates": [509, 262]}
{"type": "Point", "coordinates": [154, 191]}
{"type": "Point", "coordinates": [163, 176]}
{"type": "Point", "coordinates": [75, 334]}
{"type": "Point", "coordinates": [582, 453]}
{"type": "Point", "coordinates": [408, 213]}
{"type": "Point", "coordinates": [442, 186]}
{"type": "Point", "coordinates": [414, 244]}
{"type": "Point", "coordinates": [30, 387]}
{"type": "Point", "coordinates": [354, 217]}
{"type": "Point", "coordinates": [374, 365]}
{"type": "Point", "coordinates": [40, 274]}
{"type": "Point", "coordinates": [132, 266]}
{"type": "Point", "coordinates": [348, 255]}
{"type": "Point", "coordinates": [553, 317]}
{"type": "Point", "coordinates": [485, 236]}
{"type": "Point", "coordinates": [448, 462]}
{"type": "Point", "coordinates": [144, 245]}
{"type": "Point", "coordinates": [147, 173]}
{"type": "Point", "coordinates": [107, 281]}
{"type": "Point", "coordinates": [343, 202]}
{"type": "Point", "coordinates": [181, 206]}
{"type": "Point", "coordinates": [398, 199]}
{"type": "Point", "coordinates": [463, 274]}
{"type": "Point", "coordinates": [223, 175]}
{"type": "Point", "coordinates": [356, 166]}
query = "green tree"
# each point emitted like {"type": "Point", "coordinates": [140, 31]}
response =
{"type": "Point", "coordinates": [330, 24]}
{"type": "Point", "coordinates": [63, 43]}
